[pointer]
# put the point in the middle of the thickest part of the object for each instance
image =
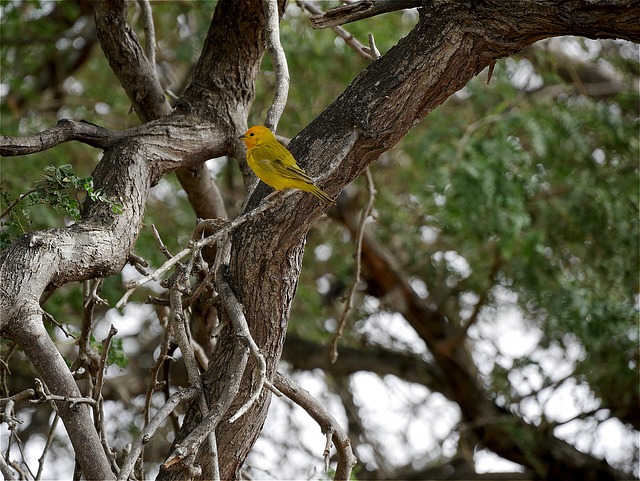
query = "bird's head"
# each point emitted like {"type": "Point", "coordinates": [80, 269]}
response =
{"type": "Point", "coordinates": [256, 135]}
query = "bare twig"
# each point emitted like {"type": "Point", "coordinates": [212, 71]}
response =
{"type": "Point", "coordinates": [279, 59]}
{"type": "Point", "coordinates": [372, 50]}
{"type": "Point", "coordinates": [72, 400]}
{"type": "Point", "coordinates": [139, 263]}
{"type": "Point", "coordinates": [14, 439]}
{"type": "Point", "coordinates": [327, 448]}
{"type": "Point", "coordinates": [44, 396]}
{"type": "Point", "coordinates": [161, 246]}
{"type": "Point", "coordinates": [346, 458]}
{"type": "Point", "coordinates": [16, 201]}
{"type": "Point", "coordinates": [154, 385]}
{"type": "Point", "coordinates": [4, 366]}
{"type": "Point", "coordinates": [348, 306]}
{"type": "Point", "coordinates": [98, 408]}
{"type": "Point", "coordinates": [97, 390]}
{"type": "Point", "coordinates": [53, 320]}
{"type": "Point", "coordinates": [7, 415]}
{"type": "Point", "coordinates": [47, 445]}
{"type": "Point", "coordinates": [16, 398]}
{"type": "Point", "coordinates": [91, 297]}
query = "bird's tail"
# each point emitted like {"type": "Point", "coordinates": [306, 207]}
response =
{"type": "Point", "coordinates": [320, 194]}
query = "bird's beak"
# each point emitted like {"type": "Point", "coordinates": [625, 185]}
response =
{"type": "Point", "coordinates": [243, 136]}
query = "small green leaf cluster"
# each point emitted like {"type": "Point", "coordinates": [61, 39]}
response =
{"type": "Point", "coordinates": [59, 188]}
{"type": "Point", "coordinates": [115, 355]}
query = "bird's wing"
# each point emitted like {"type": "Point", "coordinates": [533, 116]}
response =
{"type": "Point", "coordinates": [291, 171]}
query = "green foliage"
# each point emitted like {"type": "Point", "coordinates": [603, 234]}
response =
{"type": "Point", "coordinates": [58, 188]}
{"type": "Point", "coordinates": [546, 190]}
{"type": "Point", "coordinates": [115, 355]}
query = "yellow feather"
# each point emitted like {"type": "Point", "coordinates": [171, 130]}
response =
{"type": "Point", "coordinates": [274, 164]}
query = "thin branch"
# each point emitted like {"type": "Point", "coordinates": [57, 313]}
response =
{"type": "Point", "coordinates": [91, 298]}
{"type": "Point", "coordinates": [272, 25]}
{"type": "Point", "coordinates": [349, 39]}
{"type": "Point", "coordinates": [97, 390]}
{"type": "Point", "coordinates": [23, 474]}
{"type": "Point", "coordinates": [239, 322]}
{"type": "Point", "coordinates": [161, 246]}
{"type": "Point", "coordinates": [50, 318]}
{"type": "Point", "coordinates": [177, 323]}
{"type": "Point", "coordinates": [139, 263]}
{"type": "Point", "coordinates": [196, 245]}
{"type": "Point", "coordinates": [348, 306]}
{"type": "Point", "coordinates": [64, 131]}
{"type": "Point", "coordinates": [360, 10]}
{"type": "Point", "coordinates": [72, 400]}
{"type": "Point", "coordinates": [16, 398]}
{"type": "Point", "coordinates": [88, 356]}
{"type": "Point", "coordinates": [327, 448]}
{"type": "Point", "coordinates": [190, 445]}
{"type": "Point", "coordinates": [16, 201]}
{"type": "Point", "coordinates": [149, 32]}
{"type": "Point", "coordinates": [346, 458]}
{"type": "Point", "coordinates": [4, 366]}
{"type": "Point", "coordinates": [47, 445]}
{"type": "Point", "coordinates": [180, 396]}
{"type": "Point", "coordinates": [98, 409]}
{"type": "Point", "coordinates": [154, 385]}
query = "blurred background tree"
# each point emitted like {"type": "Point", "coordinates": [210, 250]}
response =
{"type": "Point", "coordinates": [511, 211]}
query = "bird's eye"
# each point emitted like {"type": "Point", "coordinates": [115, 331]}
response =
{"type": "Point", "coordinates": [251, 134]}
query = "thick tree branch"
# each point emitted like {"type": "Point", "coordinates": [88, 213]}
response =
{"type": "Point", "coordinates": [64, 131]}
{"type": "Point", "coordinates": [128, 60]}
{"type": "Point", "coordinates": [51, 367]}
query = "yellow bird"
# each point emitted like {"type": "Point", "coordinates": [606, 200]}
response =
{"type": "Point", "coordinates": [275, 165]}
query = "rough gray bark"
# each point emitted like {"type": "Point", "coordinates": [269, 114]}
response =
{"type": "Point", "coordinates": [452, 42]}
